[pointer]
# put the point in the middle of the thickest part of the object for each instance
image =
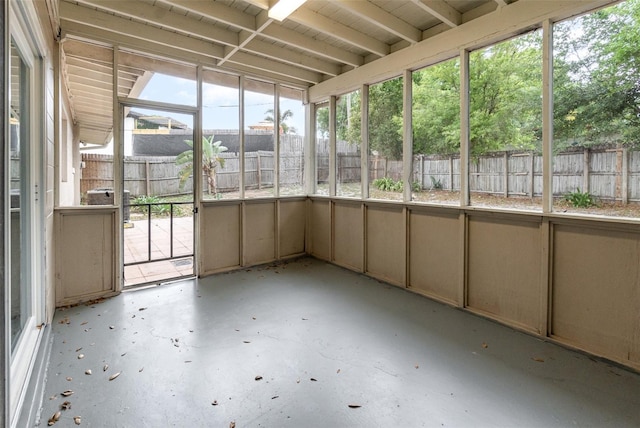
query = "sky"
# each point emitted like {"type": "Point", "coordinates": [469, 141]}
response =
{"type": "Point", "coordinates": [220, 104]}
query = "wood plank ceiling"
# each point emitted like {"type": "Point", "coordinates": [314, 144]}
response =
{"type": "Point", "coordinates": [320, 40]}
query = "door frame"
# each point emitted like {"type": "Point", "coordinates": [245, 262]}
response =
{"type": "Point", "coordinates": [124, 103]}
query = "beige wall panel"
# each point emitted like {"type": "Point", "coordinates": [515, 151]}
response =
{"type": "Point", "coordinates": [259, 232]}
{"type": "Point", "coordinates": [320, 229]}
{"type": "Point", "coordinates": [220, 237]}
{"type": "Point", "coordinates": [504, 270]}
{"type": "Point", "coordinates": [292, 221]}
{"type": "Point", "coordinates": [435, 255]}
{"type": "Point", "coordinates": [85, 254]}
{"type": "Point", "coordinates": [386, 244]}
{"type": "Point", "coordinates": [596, 291]}
{"type": "Point", "coordinates": [348, 235]}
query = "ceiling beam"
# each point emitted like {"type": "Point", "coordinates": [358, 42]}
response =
{"type": "Point", "coordinates": [383, 19]}
{"type": "Point", "coordinates": [265, 64]}
{"type": "Point", "coordinates": [339, 31]}
{"type": "Point", "coordinates": [217, 11]}
{"type": "Point", "coordinates": [104, 21]}
{"type": "Point", "coordinates": [311, 45]}
{"type": "Point", "coordinates": [501, 2]}
{"type": "Point", "coordinates": [441, 10]}
{"type": "Point", "coordinates": [291, 57]}
{"type": "Point", "coordinates": [165, 18]}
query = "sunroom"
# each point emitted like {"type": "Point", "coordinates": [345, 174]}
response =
{"type": "Point", "coordinates": [482, 155]}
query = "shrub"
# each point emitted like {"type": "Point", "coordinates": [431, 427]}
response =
{"type": "Point", "coordinates": [436, 184]}
{"type": "Point", "coordinates": [580, 199]}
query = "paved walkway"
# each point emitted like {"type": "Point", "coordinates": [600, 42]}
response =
{"type": "Point", "coordinates": [136, 249]}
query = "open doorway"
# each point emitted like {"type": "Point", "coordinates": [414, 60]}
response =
{"type": "Point", "coordinates": [158, 195]}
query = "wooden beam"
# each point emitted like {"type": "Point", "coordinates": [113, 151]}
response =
{"type": "Point", "coordinates": [291, 57]}
{"type": "Point", "coordinates": [70, 13]}
{"type": "Point", "coordinates": [339, 31]}
{"type": "Point", "coordinates": [167, 19]}
{"type": "Point", "coordinates": [217, 11]}
{"type": "Point", "coordinates": [271, 66]}
{"type": "Point", "coordinates": [441, 10]}
{"type": "Point", "coordinates": [383, 19]}
{"type": "Point", "coordinates": [311, 45]}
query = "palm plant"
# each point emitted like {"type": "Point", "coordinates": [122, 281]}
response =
{"type": "Point", "coordinates": [211, 159]}
{"type": "Point", "coordinates": [284, 116]}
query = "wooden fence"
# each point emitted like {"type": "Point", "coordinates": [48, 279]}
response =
{"type": "Point", "coordinates": [607, 174]}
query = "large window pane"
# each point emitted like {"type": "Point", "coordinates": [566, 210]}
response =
{"type": "Point", "coordinates": [322, 149]}
{"type": "Point", "coordinates": [292, 130]}
{"type": "Point", "coordinates": [596, 117]}
{"type": "Point", "coordinates": [436, 133]}
{"type": "Point", "coordinates": [259, 139]}
{"type": "Point", "coordinates": [385, 140]}
{"type": "Point", "coordinates": [348, 140]}
{"type": "Point", "coordinates": [506, 124]}
{"type": "Point", "coordinates": [221, 123]}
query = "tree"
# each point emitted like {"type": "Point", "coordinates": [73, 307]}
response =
{"type": "Point", "coordinates": [211, 159]}
{"type": "Point", "coordinates": [284, 116]}
{"type": "Point", "coordinates": [597, 78]}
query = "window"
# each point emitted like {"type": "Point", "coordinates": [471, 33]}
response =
{"type": "Point", "coordinates": [385, 140]}
{"type": "Point", "coordinates": [348, 140]}
{"type": "Point", "coordinates": [292, 131]}
{"type": "Point", "coordinates": [436, 133]}
{"type": "Point", "coordinates": [322, 149]}
{"type": "Point", "coordinates": [221, 123]}
{"type": "Point", "coordinates": [506, 123]}
{"type": "Point", "coordinates": [259, 139]}
{"type": "Point", "coordinates": [596, 163]}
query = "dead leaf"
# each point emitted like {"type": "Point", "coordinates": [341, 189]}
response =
{"type": "Point", "coordinates": [88, 372]}
{"type": "Point", "coordinates": [305, 319]}
{"type": "Point", "coordinates": [274, 397]}
{"type": "Point", "coordinates": [484, 345]}
{"type": "Point", "coordinates": [81, 356]}
{"type": "Point", "coordinates": [214, 403]}
{"type": "Point", "coordinates": [298, 381]}
{"type": "Point", "coordinates": [232, 424]}
{"type": "Point", "coordinates": [142, 309]}
{"type": "Point", "coordinates": [338, 371]}
{"type": "Point", "coordinates": [354, 406]}
{"type": "Point", "coordinates": [313, 379]}
{"type": "Point", "coordinates": [53, 397]}
{"type": "Point", "coordinates": [67, 393]}
{"type": "Point", "coordinates": [69, 378]}
{"type": "Point", "coordinates": [253, 318]}
{"type": "Point", "coordinates": [66, 405]}
{"type": "Point", "coordinates": [258, 377]}
{"type": "Point", "coordinates": [113, 376]}
{"type": "Point", "coordinates": [538, 360]}
{"type": "Point", "coordinates": [122, 355]}
{"type": "Point", "coordinates": [417, 366]}
{"type": "Point", "coordinates": [86, 322]}
{"type": "Point", "coordinates": [106, 366]}
{"type": "Point", "coordinates": [53, 419]}
{"type": "Point", "coordinates": [141, 369]}
{"type": "Point", "coordinates": [246, 341]}
{"type": "Point", "coordinates": [79, 349]}
{"type": "Point", "coordinates": [111, 327]}
{"type": "Point", "coordinates": [77, 420]}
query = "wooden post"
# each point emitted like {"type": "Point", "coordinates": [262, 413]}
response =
{"type": "Point", "coordinates": [625, 176]}
{"type": "Point", "coordinates": [505, 179]}
{"type": "Point", "coordinates": [532, 176]}
{"type": "Point", "coordinates": [585, 171]}
{"type": "Point", "coordinates": [451, 173]}
{"type": "Point", "coordinates": [259, 170]}
{"type": "Point", "coordinates": [147, 178]}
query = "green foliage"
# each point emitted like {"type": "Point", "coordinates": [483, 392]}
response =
{"type": "Point", "coordinates": [580, 199]}
{"type": "Point", "coordinates": [211, 159]}
{"type": "Point", "coordinates": [284, 117]}
{"type": "Point", "coordinates": [596, 86]}
{"type": "Point", "coordinates": [436, 184]}
{"type": "Point", "coordinates": [388, 184]}
{"type": "Point", "coordinates": [163, 209]}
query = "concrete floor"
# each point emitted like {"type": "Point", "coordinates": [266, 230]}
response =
{"type": "Point", "coordinates": [295, 345]}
